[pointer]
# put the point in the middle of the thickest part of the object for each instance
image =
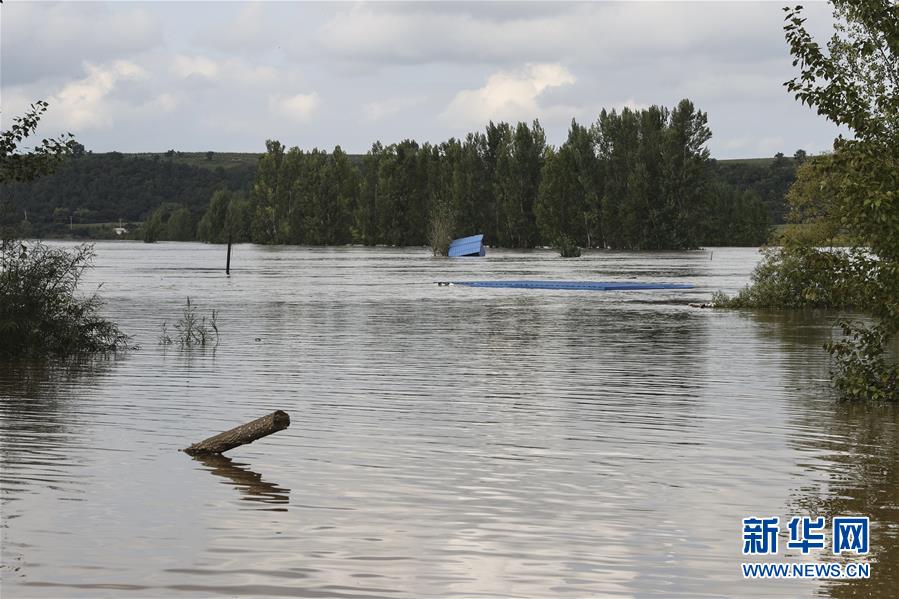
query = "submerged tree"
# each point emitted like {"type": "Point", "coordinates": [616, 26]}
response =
{"type": "Point", "coordinates": [856, 83]}
{"type": "Point", "coordinates": [635, 180]}
{"type": "Point", "coordinates": [852, 81]}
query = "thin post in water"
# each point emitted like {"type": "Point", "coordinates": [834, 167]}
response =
{"type": "Point", "coordinates": [228, 261]}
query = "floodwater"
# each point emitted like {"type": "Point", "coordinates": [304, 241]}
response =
{"type": "Point", "coordinates": [445, 441]}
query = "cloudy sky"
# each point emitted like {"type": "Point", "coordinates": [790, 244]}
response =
{"type": "Point", "coordinates": [226, 76]}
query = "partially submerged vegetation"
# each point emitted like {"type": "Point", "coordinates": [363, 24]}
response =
{"type": "Point", "coordinates": [567, 247]}
{"type": "Point", "coordinates": [42, 312]}
{"type": "Point", "coordinates": [92, 194]}
{"type": "Point", "coordinates": [799, 277]}
{"type": "Point", "coordinates": [440, 228]}
{"type": "Point", "coordinates": [192, 329]}
{"type": "Point", "coordinates": [849, 195]}
{"type": "Point", "coordinates": [634, 179]}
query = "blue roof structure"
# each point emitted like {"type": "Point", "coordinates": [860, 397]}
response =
{"type": "Point", "coordinates": [574, 285]}
{"type": "Point", "coordinates": [467, 246]}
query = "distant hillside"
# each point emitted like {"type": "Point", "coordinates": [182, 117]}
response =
{"type": "Point", "coordinates": [770, 178]}
{"type": "Point", "coordinates": [206, 160]}
{"type": "Point", "coordinates": [109, 187]}
{"type": "Point", "coordinates": [106, 188]}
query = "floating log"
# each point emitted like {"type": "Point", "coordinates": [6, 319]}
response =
{"type": "Point", "coordinates": [241, 435]}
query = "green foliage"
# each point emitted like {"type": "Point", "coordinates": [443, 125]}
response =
{"type": "Point", "coordinates": [40, 311]}
{"type": "Point", "coordinates": [567, 247]}
{"type": "Point", "coordinates": [768, 179]}
{"type": "Point", "coordinates": [153, 226]}
{"type": "Point", "coordinates": [441, 229]}
{"type": "Point", "coordinates": [567, 201]}
{"type": "Point", "coordinates": [862, 368]}
{"type": "Point", "coordinates": [733, 218]}
{"type": "Point", "coordinates": [39, 160]}
{"type": "Point", "coordinates": [180, 226]}
{"type": "Point", "coordinates": [852, 192]}
{"type": "Point", "coordinates": [638, 179]}
{"type": "Point", "coordinates": [19, 166]}
{"type": "Point", "coordinates": [802, 277]}
{"type": "Point", "coordinates": [519, 164]}
{"type": "Point", "coordinates": [117, 187]}
{"type": "Point", "coordinates": [228, 217]}
{"type": "Point", "coordinates": [192, 329]}
{"type": "Point", "coordinates": [855, 82]}
{"type": "Point", "coordinates": [654, 177]}
{"type": "Point", "coordinates": [169, 222]}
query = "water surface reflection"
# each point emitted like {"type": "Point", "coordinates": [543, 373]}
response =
{"type": "Point", "coordinates": [246, 481]}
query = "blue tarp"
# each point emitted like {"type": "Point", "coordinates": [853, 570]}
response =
{"type": "Point", "coordinates": [577, 285]}
{"type": "Point", "coordinates": [467, 246]}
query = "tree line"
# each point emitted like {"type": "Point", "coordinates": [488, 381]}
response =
{"type": "Point", "coordinates": [639, 179]}
{"type": "Point", "coordinates": [635, 179]}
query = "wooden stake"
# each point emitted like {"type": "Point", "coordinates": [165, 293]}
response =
{"type": "Point", "coordinates": [228, 261]}
{"type": "Point", "coordinates": [241, 435]}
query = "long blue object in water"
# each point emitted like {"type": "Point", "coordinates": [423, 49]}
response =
{"type": "Point", "coordinates": [467, 246]}
{"type": "Point", "coordinates": [576, 285]}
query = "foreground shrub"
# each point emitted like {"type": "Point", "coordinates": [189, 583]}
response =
{"type": "Point", "coordinates": [41, 313]}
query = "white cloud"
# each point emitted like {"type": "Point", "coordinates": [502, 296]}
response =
{"type": "Point", "coordinates": [84, 104]}
{"type": "Point", "coordinates": [507, 95]}
{"type": "Point", "coordinates": [630, 103]}
{"type": "Point", "coordinates": [250, 30]}
{"type": "Point", "coordinates": [164, 103]}
{"type": "Point", "coordinates": [382, 109]}
{"type": "Point", "coordinates": [187, 66]}
{"type": "Point", "coordinates": [298, 108]}
{"type": "Point", "coordinates": [767, 146]}
{"type": "Point", "coordinates": [392, 70]}
{"type": "Point", "coordinates": [589, 33]}
{"type": "Point", "coordinates": [42, 39]}
{"type": "Point", "coordinates": [754, 146]}
{"type": "Point", "coordinates": [721, 82]}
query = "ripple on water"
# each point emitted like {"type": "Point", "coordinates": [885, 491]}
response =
{"type": "Point", "coordinates": [445, 441]}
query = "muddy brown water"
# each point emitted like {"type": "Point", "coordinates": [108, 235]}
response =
{"type": "Point", "coordinates": [445, 441]}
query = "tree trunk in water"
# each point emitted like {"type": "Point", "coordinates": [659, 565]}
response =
{"type": "Point", "coordinates": [241, 435]}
